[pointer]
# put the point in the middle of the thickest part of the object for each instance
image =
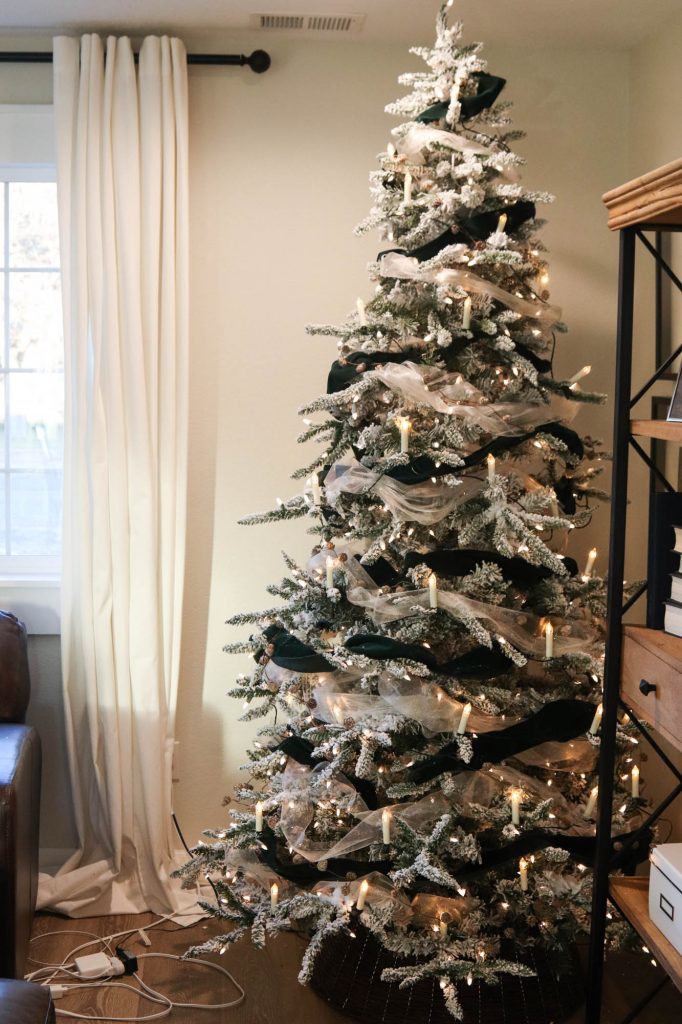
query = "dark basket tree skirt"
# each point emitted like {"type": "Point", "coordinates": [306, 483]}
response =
{"type": "Point", "coordinates": [348, 971]}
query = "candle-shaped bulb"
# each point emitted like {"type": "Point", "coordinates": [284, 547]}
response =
{"type": "Point", "coordinates": [523, 871]}
{"type": "Point", "coordinates": [362, 895]}
{"type": "Point", "coordinates": [317, 491]}
{"type": "Point", "coordinates": [596, 721]}
{"type": "Point", "coordinates": [274, 895]}
{"type": "Point", "coordinates": [259, 816]}
{"type": "Point", "coordinates": [386, 825]}
{"type": "Point", "coordinates": [635, 781]}
{"type": "Point", "coordinates": [580, 374]}
{"type": "Point", "coordinates": [443, 926]}
{"type": "Point", "coordinates": [433, 590]}
{"type": "Point", "coordinates": [549, 640]}
{"type": "Point", "coordinates": [362, 315]}
{"type": "Point", "coordinates": [408, 187]}
{"type": "Point", "coordinates": [330, 571]}
{"type": "Point", "coordinates": [491, 467]}
{"type": "Point", "coordinates": [405, 427]}
{"type": "Point", "coordinates": [462, 727]}
{"type": "Point", "coordinates": [589, 564]}
{"type": "Point", "coordinates": [502, 222]}
{"type": "Point", "coordinates": [591, 803]}
{"type": "Point", "coordinates": [466, 313]}
{"type": "Point", "coordinates": [515, 799]}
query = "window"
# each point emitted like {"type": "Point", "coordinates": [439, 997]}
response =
{"type": "Point", "coordinates": [31, 369]}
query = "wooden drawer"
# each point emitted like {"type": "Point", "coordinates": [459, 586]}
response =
{"type": "Point", "coordinates": [656, 657]}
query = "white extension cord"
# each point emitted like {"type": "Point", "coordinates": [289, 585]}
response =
{"type": "Point", "coordinates": [97, 970]}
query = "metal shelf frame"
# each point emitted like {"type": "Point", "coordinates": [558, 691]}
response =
{"type": "Point", "coordinates": [623, 444]}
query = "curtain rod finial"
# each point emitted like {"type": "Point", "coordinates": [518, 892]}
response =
{"type": "Point", "coordinates": [259, 61]}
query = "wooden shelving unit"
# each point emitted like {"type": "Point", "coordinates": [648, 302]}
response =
{"type": "Point", "coordinates": [661, 429]}
{"type": "Point", "coordinates": [643, 667]}
{"type": "Point", "coordinates": [631, 896]}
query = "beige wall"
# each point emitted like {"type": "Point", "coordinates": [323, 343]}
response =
{"type": "Point", "coordinates": [279, 169]}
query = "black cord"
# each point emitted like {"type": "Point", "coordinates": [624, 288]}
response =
{"type": "Point", "coordinates": [189, 854]}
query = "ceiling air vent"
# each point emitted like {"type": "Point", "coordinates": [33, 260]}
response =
{"type": "Point", "coordinates": [310, 22]}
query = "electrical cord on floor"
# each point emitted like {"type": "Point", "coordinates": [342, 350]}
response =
{"type": "Point", "coordinates": [147, 992]}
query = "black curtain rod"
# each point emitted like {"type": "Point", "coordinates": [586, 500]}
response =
{"type": "Point", "coordinates": [258, 61]}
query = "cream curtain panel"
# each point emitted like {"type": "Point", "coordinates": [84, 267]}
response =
{"type": "Point", "coordinates": [122, 189]}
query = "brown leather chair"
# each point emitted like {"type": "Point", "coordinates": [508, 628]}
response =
{"type": "Point", "coordinates": [22, 1002]}
{"type": "Point", "coordinates": [20, 763]}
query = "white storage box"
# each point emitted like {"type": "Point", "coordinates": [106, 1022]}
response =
{"type": "Point", "coordinates": [665, 891]}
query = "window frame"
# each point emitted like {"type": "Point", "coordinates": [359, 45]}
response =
{"type": "Point", "coordinates": [31, 587]}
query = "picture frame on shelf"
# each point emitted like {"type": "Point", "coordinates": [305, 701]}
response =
{"type": "Point", "coordinates": [666, 457]}
{"type": "Point", "coordinates": [675, 408]}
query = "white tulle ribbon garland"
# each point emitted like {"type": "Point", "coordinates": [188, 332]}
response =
{"type": "Point", "coordinates": [449, 393]}
{"type": "Point", "coordinates": [418, 699]}
{"type": "Point", "coordinates": [416, 139]}
{"type": "Point", "coordinates": [425, 503]}
{"type": "Point", "coordinates": [397, 265]}
{"type": "Point", "coordinates": [520, 630]}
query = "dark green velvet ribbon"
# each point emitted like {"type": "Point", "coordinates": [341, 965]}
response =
{"type": "Point", "coordinates": [291, 653]}
{"type": "Point", "coordinates": [301, 751]}
{"type": "Point", "coordinates": [344, 373]}
{"type": "Point", "coordinates": [581, 848]}
{"type": "Point", "coordinates": [382, 572]}
{"type": "Point", "coordinates": [488, 89]}
{"type": "Point", "coordinates": [461, 561]}
{"type": "Point", "coordinates": [561, 720]}
{"type": "Point", "coordinates": [480, 663]}
{"type": "Point", "coordinates": [469, 229]}
{"type": "Point", "coordinates": [421, 468]}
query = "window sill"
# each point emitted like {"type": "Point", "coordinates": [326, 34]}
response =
{"type": "Point", "coordinates": [37, 602]}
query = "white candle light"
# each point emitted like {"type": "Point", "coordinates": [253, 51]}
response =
{"type": "Point", "coordinates": [317, 491]}
{"type": "Point", "coordinates": [580, 374]}
{"type": "Point", "coordinates": [330, 571]}
{"type": "Point", "coordinates": [502, 222]}
{"type": "Point", "coordinates": [515, 806]}
{"type": "Point", "coordinates": [386, 825]}
{"type": "Point", "coordinates": [433, 590]}
{"type": "Point", "coordinates": [466, 313]}
{"type": "Point", "coordinates": [461, 728]}
{"type": "Point", "coordinates": [589, 564]}
{"type": "Point", "coordinates": [259, 817]}
{"type": "Point", "coordinates": [591, 803]}
{"type": "Point", "coordinates": [443, 928]}
{"type": "Point", "coordinates": [491, 468]}
{"type": "Point", "coordinates": [361, 312]}
{"type": "Point", "coordinates": [405, 427]}
{"type": "Point", "coordinates": [635, 782]}
{"type": "Point", "coordinates": [549, 640]}
{"type": "Point", "coordinates": [596, 721]}
{"type": "Point", "coordinates": [408, 187]}
{"type": "Point", "coordinates": [274, 895]}
{"type": "Point", "coordinates": [523, 871]}
{"type": "Point", "coordinates": [362, 895]}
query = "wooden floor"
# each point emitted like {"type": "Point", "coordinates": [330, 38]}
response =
{"type": "Point", "coordinates": [273, 995]}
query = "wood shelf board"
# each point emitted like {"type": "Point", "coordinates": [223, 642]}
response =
{"type": "Point", "coordinates": [663, 430]}
{"type": "Point", "coordinates": [663, 645]}
{"type": "Point", "coordinates": [632, 896]}
{"type": "Point", "coordinates": [653, 198]}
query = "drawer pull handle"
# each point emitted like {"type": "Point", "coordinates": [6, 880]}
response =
{"type": "Point", "coordinates": [646, 688]}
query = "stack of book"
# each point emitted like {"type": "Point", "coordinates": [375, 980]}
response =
{"type": "Point", "coordinates": [672, 622]}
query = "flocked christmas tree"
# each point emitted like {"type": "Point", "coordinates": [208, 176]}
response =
{"type": "Point", "coordinates": [431, 678]}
